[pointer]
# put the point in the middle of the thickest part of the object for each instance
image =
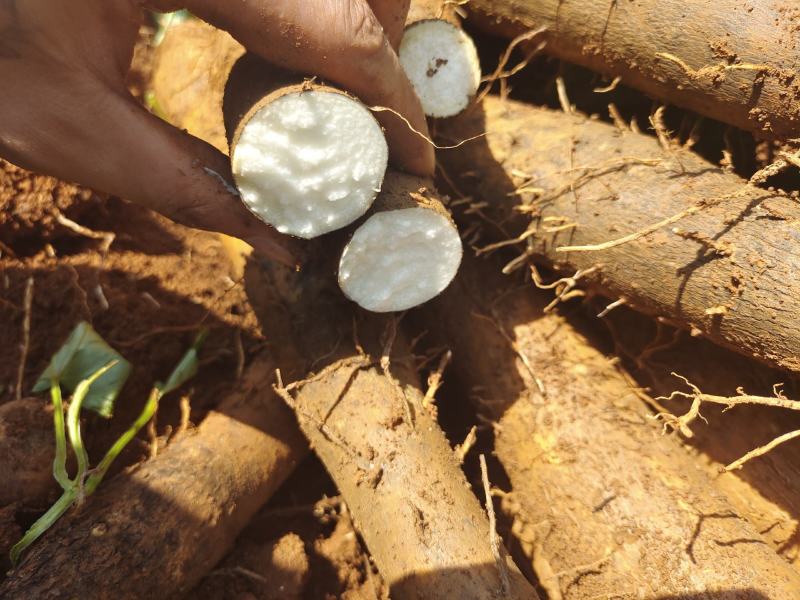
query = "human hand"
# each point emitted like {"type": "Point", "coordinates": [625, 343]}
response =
{"type": "Point", "coordinates": [65, 110]}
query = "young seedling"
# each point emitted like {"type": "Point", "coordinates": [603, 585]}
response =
{"type": "Point", "coordinates": [96, 373]}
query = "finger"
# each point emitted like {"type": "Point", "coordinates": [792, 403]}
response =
{"type": "Point", "coordinates": [392, 16]}
{"type": "Point", "coordinates": [343, 42]}
{"type": "Point", "coordinates": [118, 147]}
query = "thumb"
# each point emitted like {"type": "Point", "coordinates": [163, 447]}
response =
{"type": "Point", "coordinates": [189, 181]}
{"type": "Point", "coordinates": [116, 146]}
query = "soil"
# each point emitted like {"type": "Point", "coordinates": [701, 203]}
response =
{"type": "Point", "coordinates": [305, 534]}
{"type": "Point", "coordinates": [157, 285]}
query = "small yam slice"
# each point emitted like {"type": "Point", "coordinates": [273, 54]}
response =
{"type": "Point", "coordinates": [442, 63]}
{"type": "Point", "coordinates": [405, 253]}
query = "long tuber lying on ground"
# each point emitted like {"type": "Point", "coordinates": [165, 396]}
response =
{"type": "Point", "coordinates": [661, 229]}
{"type": "Point", "coordinates": [439, 58]}
{"type": "Point", "coordinates": [361, 410]}
{"type": "Point", "coordinates": [602, 502]}
{"type": "Point", "coordinates": [766, 490]}
{"type": "Point", "coordinates": [730, 60]}
{"type": "Point", "coordinates": [401, 480]}
{"type": "Point", "coordinates": [157, 530]}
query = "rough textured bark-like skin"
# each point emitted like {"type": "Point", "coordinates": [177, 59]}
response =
{"type": "Point", "coordinates": [593, 480]}
{"type": "Point", "coordinates": [624, 38]}
{"type": "Point", "coordinates": [422, 10]}
{"type": "Point", "coordinates": [155, 531]}
{"type": "Point", "coordinates": [401, 190]}
{"type": "Point", "coordinates": [767, 489]}
{"type": "Point", "coordinates": [409, 498]}
{"type": "Point", "coordinates": [737, 256]}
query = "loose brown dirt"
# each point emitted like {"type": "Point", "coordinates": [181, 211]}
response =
{"type": "Point", "coordinates": [157, 285]}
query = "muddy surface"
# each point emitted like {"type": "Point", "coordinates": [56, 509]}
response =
{"type": "Point", "coordinates": [148, 295]}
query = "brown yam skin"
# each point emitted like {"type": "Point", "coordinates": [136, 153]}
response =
{"type": "Point", "coordinates": [424, 10]}
{"type": "Point", "coordinates": [155, 531]}
{"type": "Point", "coordinates": [767, 489]}
{"type": "Point", "coordinates": [624, 39]}
{"type": "Point", "coordinates": [409, 498]}
{"type": "Point", "coordinates": [594, 482]}
{"type": "Point", "coordinates": [401, 190]}
{"type": "Point", "coordinates": [738, 256]}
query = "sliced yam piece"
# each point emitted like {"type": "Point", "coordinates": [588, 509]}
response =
{"type": "Point", "coordinates": [442, 63]}
{"type": "Point", "coordinates": [405, 253]}
{"type": "Point", "coordinates": [309, 160]}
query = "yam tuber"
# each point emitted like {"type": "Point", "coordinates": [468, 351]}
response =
{"type": "Point", "coordinates": [662, 229]}
{"type": "Point", "coordinates": [402, 482]}
{"type": "Point", "coordinates": [602, 503]}
{"type": "Point", "coordinates": [157, 530]}
{"type": "Point", "coordinates": [729, 60]}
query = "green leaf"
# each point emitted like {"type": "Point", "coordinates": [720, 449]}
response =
{"type": "Point", "coordinates": [186, 368]}
{"type": "Point", "coordinates": [83, 354]}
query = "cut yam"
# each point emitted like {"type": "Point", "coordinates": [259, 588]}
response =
{"type": "Point", "coordinates": [442, 63]}
{"type": "Point", "coordinates": [405, 253]}
{"type": "Point", "coordinates": [309, 160]}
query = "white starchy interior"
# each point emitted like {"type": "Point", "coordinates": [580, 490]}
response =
{"type": "Point", "coordinates": [442, 63]}
{"type": "Point", "coordinates": [400, 259]}
{"type": "Point", "coordinates": [310, 162]}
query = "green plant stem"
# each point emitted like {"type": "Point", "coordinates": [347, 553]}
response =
{"type": "Point", "coordinates": [60, 461]}
{"type": "Point", "coordinates": [74, 430]}
{"type": "Point", "coordinates": [44, 522]}
{"type": "Point", "coordinates": [97, 474]}
{"type": "Point", "coordinates": [74, 424]}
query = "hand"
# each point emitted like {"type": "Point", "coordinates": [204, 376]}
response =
{"type": "Point", "coordinates": [65, 111]}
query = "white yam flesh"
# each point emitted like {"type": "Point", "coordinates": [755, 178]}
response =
{"type": "Point", "coordinates": [399, 259]}
{"type": "Point", "coordinates": [310, 162]}
{"type": "Point", "coordinates": [442, 63]}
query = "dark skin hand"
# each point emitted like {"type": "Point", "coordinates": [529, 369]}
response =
{"type": "Point", "coordinates": [65, 110]}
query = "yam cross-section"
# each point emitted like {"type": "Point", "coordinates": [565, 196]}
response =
{"type": "Point", "coordinates": [316, 157]}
